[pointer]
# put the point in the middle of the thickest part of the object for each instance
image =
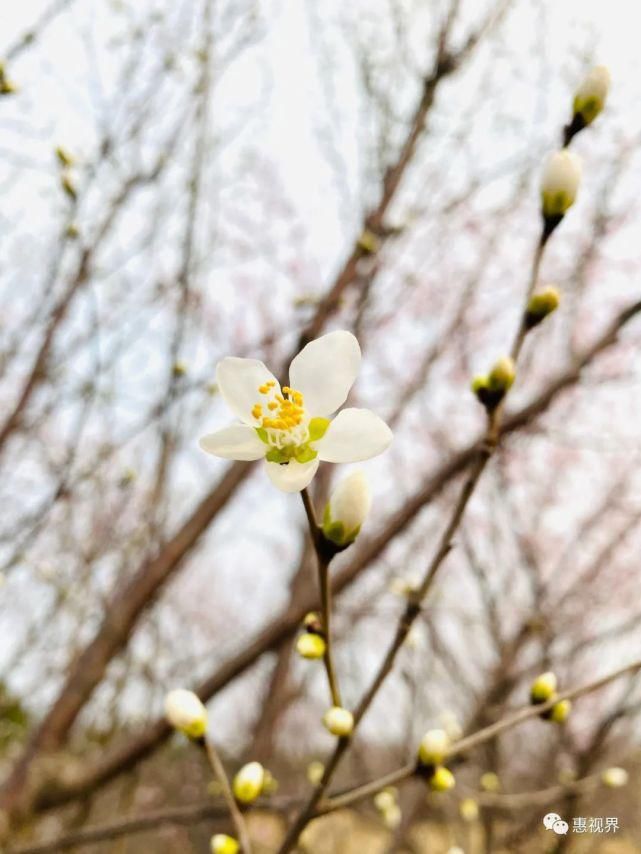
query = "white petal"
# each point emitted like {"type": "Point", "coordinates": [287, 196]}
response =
{"type": "Point", "coordinates": [238, 381]}
{"type": "Point", "coordinates": [355, 434]}
{"type": "Point", "coordinates": [236, 442]}
{"type": "Point", "coordinates": [325, 370]}
{"type": "Point", "coordinates": [292, 477]}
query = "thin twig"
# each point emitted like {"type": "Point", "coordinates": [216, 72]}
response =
{"type": "Point", "coordinates": [325, 597]}
{"type": "Point", "coordinates": [221, 775]}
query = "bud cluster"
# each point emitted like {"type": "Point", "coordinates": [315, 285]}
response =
{"type": "Point", "coordinates": [542, 690]}
{"type": "Point", "coordinates": [311, 642]}
{"type": "Point", "coordinates": [490, 389]}
{"type": "Point", "coordinates": [432, 753]}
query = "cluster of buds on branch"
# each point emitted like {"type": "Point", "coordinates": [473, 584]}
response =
{"type": "Point", "coordinates": [542, 690]}
{"type": "Point", "coordinates": [432, 753]}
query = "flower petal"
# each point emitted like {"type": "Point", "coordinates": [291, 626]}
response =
{"type": "Point", "coordinates": [238, 381]}
{"type": "Point", "coordinates": [325, 370]}
{"type": "Point", "coordinates": [292, 477]}
{"type": "Point", "coordinates": [354, 435]}
{"type": "Point", "coordinates": [236, 442]}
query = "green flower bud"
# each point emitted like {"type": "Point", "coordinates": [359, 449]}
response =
{"type": "Point", "coordinates": [347, 509]}
{"type": "Point", "coordinates": [490, 782]}
{"type": "Point", "coordinates": [315, 771]}
{"type": "Point", "coordinates": [434, 747]}
{"type": "Point", "coordinates": [560, 184]}
{"type": "Point", "coordinates": [541, 304]}
{"type": "Point", "coordinates": [614, 778]}
{"type": "Point", "coordinates": [223, 844]}
{"type": "Point", "coordinates": [543, 688]}
{"type": "Point", "coordinates": [185, 712]}
{"type": "Point", "coordinates": [442, 780]}
{"type": "Point", "coordinates": [591, 95]}
{"type": "Point", "coordinates": [469, 810]}
{"type": "Point", "coordinates": [248, 782]}
{"type": "Point", "coordinates": [502, 375]}
{"type": "Point", "coordinates": [339, 721]}
{"type": "Point", "coordinates": [560, 712]}
{"type": "Point", "coordinates": [311, 646]}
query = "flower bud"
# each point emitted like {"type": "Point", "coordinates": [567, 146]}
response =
{"type": "Point", "coordinates": [560, 184]}
{"type": "Point", "coordinates": [248, 782]}
{"type": "Point", "coordinates": [469, 809]}
{"type": "Point", "coordinates": [338, 721]}
{"type": "Point", "coordinates": [315, 771]}
{"type": "Point", "coordinates": [186, 713]}
{"type": "Point", "coordinates": [591, 95]}
{"type": "Point", "coordinates": [347, 509]}
{"type": "Point", "coordinates": [490, 782]}
{"type": "Point", "coordinates": [502, 375]}
{"type": "Point", "coordinates": [310, 646]}
{"type": "Point", "coordinates": [386, 798]}
{"type": "Point", "coordinates": [223, 844]}
{"type": "Point", "coordinates": [541, 304]}
{"type": "Point", "coordinates": [560, 712]}
{"type": "Point", "coordinates": [434, 747]}
{"type": "Point", "coordinates": [392, 816]}
{"type": "Point", "coordinates": [614, 777]}
{"type": "Point", "coordinates": [442, 780]}
{"type": "Point", "coordinates": [312, 622]}
{"type": "Point", "coordinates": [543, 688]}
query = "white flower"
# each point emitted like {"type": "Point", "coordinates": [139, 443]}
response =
{"type": "Point", "coordinates": [291, 427]}
{"type": "Point", "coordinates": [347, 509]}
{"type": "Point", "coordinates": [248, 782]}
{"type": "Point", "coordinates": [591, 95]}
{"type": "Point", "coordinates": [338, 721]}
{"type": "Point", "coordinates": [614, 777]}
{"type": "Point", "coordinates": [434, 747]}
{"type": "Point", "coordinates": [186, 713]}
{"type": "Point", "coordinates": [560, 182]}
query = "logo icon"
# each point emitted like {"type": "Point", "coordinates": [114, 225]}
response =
{"type": "Point", "coordinates": [553, 821]}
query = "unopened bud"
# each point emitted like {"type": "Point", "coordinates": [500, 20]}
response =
{"type": "Point", "coordinates": [469, 809]}
{"type": "Point", "coordinates": [490, 782]}
{"type": "Point", "coordinates": [442, 780]}
{"type": "Point", "coordinates": [434, 747]}
{"type": "Point", "coordinates": [392, 816]}
{"type": "Point", "coordinates": [592, 94]}
{"type": "Point", "coordinates": [310, 646]}
{"type": "Point", "coordinates": [543, 688]}
{"type": "Point", "coordinates": [186, 713]}
{"type": "Point", "coordinates": [560, 712]}
{"type": "Point", "coordinates": [615, 778]}
{"type": "Point", "coordinates": [223, 844]}
{"type": "Point", "coordinates": [347, 509]}
{"type": "Point", "coordinates": [560, 184]}
{"type": "Point", "coordinates": [541, 304]}
{"type": "Point", "coordinates": [386, 798]}
{"type": "Point", "coordinates": [338, 721]}
{"type": "Point", "coordinates": [248, 782]}
{"type": "Point", "coordinates": [315, 771]}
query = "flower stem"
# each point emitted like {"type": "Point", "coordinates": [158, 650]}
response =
{"type": "Point", "coordinates": [221, 775]}
{"type": "Point", "coordinates": [325, 597]}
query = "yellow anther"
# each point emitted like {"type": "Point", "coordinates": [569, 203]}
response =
{"type": "Point", "coordinates": [257, 411]}
{"type": "Point", "coordinates": [271, 384]}
{"type": "Point", "coordinates": [286, 389]}
{"type": "Point", "coordinates": [273, 405]}
{"type": "Point", "coordinates": [263, 389]}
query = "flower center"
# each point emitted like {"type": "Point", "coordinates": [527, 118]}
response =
{"type": "Point", "coordinates": [284, 426]}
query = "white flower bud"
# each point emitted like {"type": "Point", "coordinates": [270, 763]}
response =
{"type": "Point", "coordinates": [248, 782]}
{"type": "Point", "coordinates": [385, 799]}
{"type": "Point", "coordinates": [591, 95]}
{"type": "Point", "coordinates": [434, 747]}
{"type": "Point", "coordinates": [392, 816]}
{"type": "Point", "coordinates": [315, 771]}
{"type": "Point", "coordinates": [223, 844]}
{"type": "Point", "coordinates": [347, 509]}
{"type": "Point", "coordinates": [338, 721]}
{"type": "Point", "coordinates": [560, 182]}
{"type": "Point", "coordinates": [614, 777]}
{"type": "Point", "coordinates": [186, 713]}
